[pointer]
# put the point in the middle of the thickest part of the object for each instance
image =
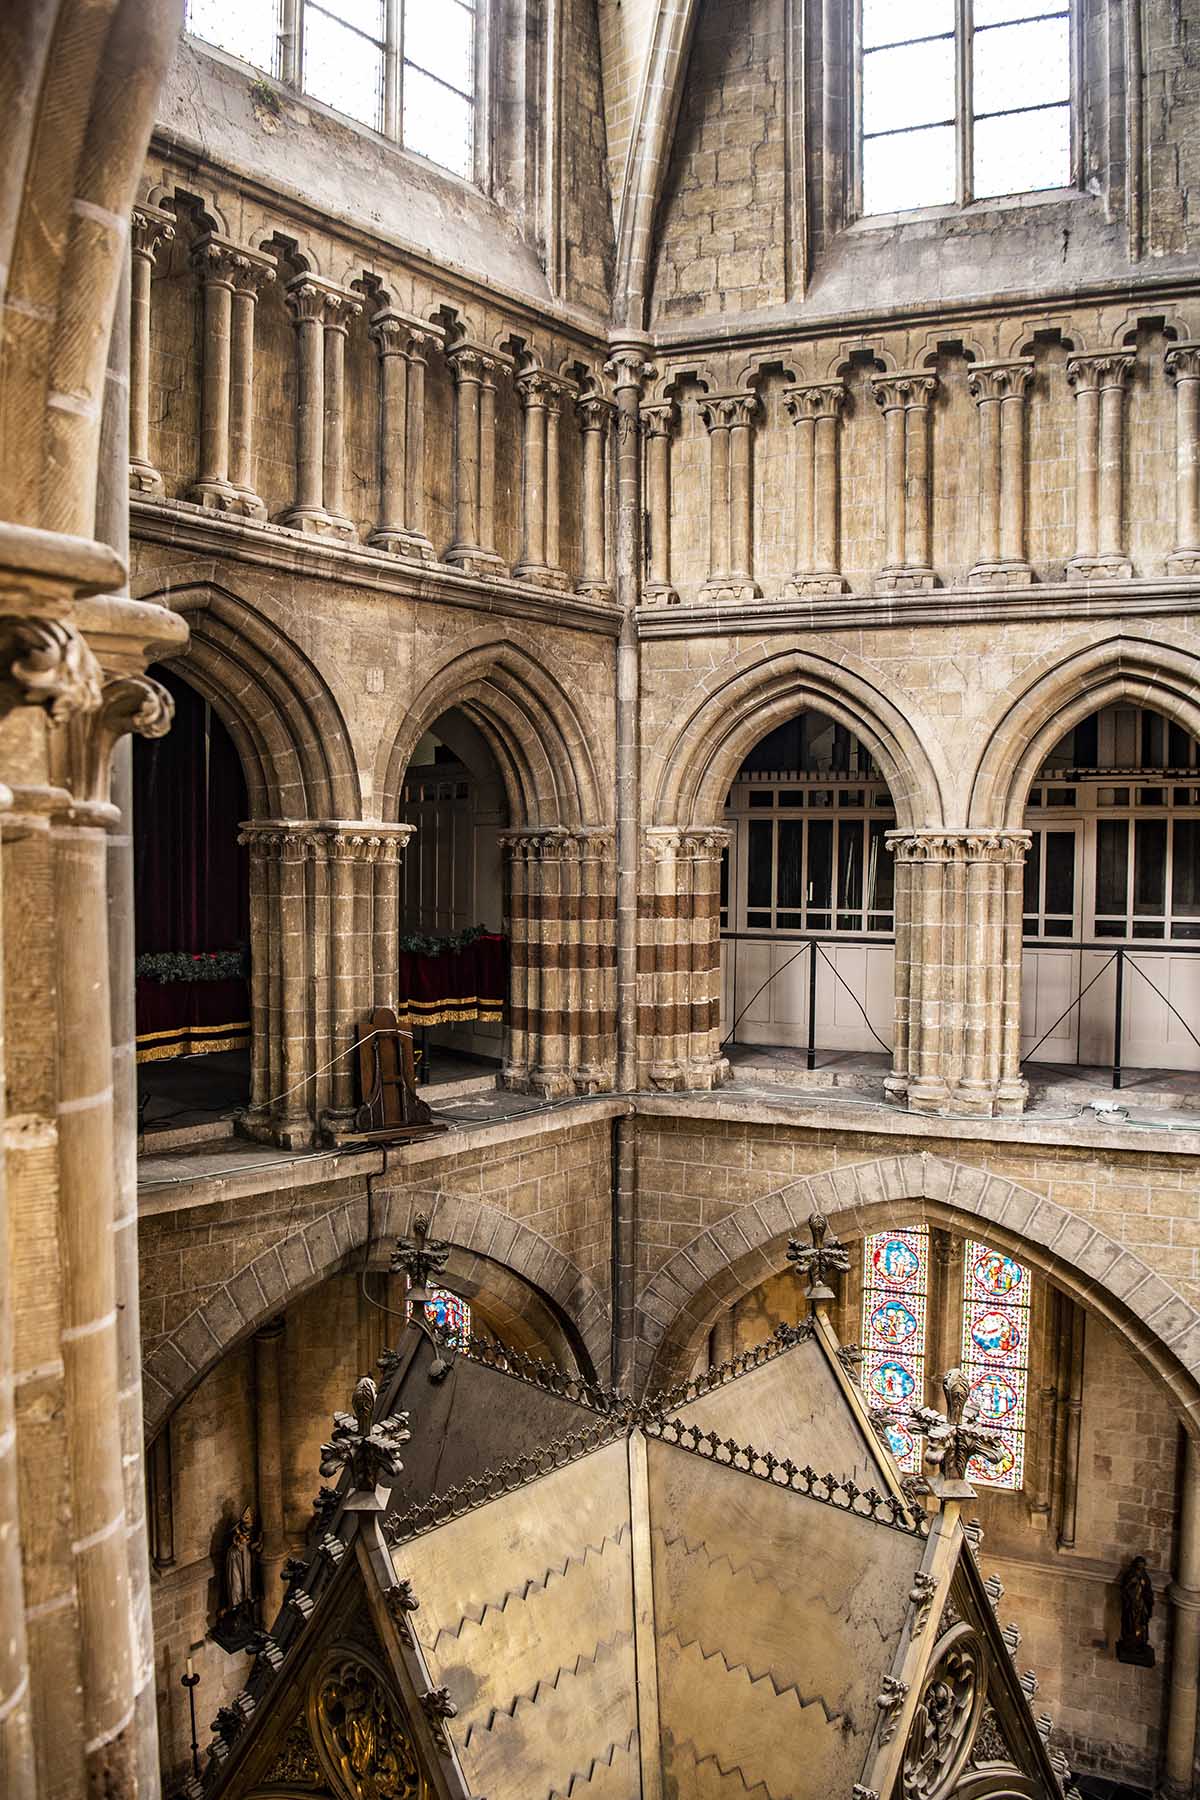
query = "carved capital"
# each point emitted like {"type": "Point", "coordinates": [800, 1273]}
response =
{"type": "Point", "coordinates": [1182, 362]}
{"type": "Point", "coordinates": [555, 844]}
{"type": "Point", "coordinates": [128, 703]}
{"type": "Point", "coordinates": [721, 412]}
{"type": "Point", "coordinates": [627, 367]}
{"type": "Point", "coordinates": [1007, 847]}
{"type": "Point", "coordinates": [698, 843]}
{"type": "Point", "coordinates": [396, 334]}
{"type": "Point", "coordinates": [311, 300]}
{"type": "Point", "coordinates": [906, 388]}
{"type": "Point", "coordinates": [595, 412]}
{"type": "Point", "coordinates": [660, 420]}
{"type": "Point", "coordinates": [471, 362]}
{"type": "Point", "coordinates": [1000, 380]}
{"type": "Point", "coordinates": [814, 400]}
{"type": "Point", "coordinates": [44, 662]}
{"type": "Point", "coordinates": [149, 228]}
{"type": "Point", "coordinates": [1103, 369]}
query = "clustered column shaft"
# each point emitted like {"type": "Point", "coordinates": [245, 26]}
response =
{"type": "Point", "coordinates": [150, 229]}
{"type": "Point", "coordinates": [729, 418]}
{"type": "Point", "coordinates": [230, 278]}
{"type": "Point", "coordinates": [473, 549]}
{"type": "Point", "coordinates": [658, 425]}
{"type": "Point", "coordinates": [321, 314]}
{"type": "Point", "coordinates": [562, 956]}
{"type": "Point", "coordinates": [815, 409]}
{"type": "Point", "coordinates": [1182, 364]}
{"type": "Point", "coordinates": [679, 959]}
{"type": "Point", "coordinates": [904, 400]}
{"type": "Point", "coordinates": [595, 425]}
{"type": "Point", "coordinates": [957, 1042]}
{"type": "Point", "coordinates": [402, 345]}
{"type": "Point", "coordinates": [1098, 383]}
{"type": "Point", "coordinates": [541, 399]}
{"type": "Point", "coordinates": [999, 390]}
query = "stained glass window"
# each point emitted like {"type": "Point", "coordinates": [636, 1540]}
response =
{"type": "Point", "coordinates": [995, 1355]}
{"type": "Point", "coordinates": [447, 1313]}
{"type": "Point", "coordinates": [895, 1306]}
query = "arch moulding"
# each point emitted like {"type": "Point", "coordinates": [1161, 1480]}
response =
{"type": "Point", "coordinates": [328, 1245]}
{"type": "Point", "coordinates": [680, 1302]}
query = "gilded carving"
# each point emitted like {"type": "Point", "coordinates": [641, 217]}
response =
{"type": "Point", "coordinates": [361, 1736]}
{"type": "Point", "coordinates": [295, 1762]}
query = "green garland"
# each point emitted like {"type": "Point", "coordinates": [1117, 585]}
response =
{"type": "Point", "coordinates": [420, 943]}
{"type": "Point", "coordinates": [192, 965]}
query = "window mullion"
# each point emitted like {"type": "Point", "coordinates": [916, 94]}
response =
{"type": "Point", "coordinates": [393, 64]}
{"type": "Point", "coordinates": [290, 61]}
{"type": "Point", "coordinates": [966, 100]}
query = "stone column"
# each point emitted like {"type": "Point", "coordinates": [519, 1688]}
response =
{"type": "Point", "coordinates": [731, 500]}
{"type": "Point", "coordinates": [268, 1448]}
{"type": "Point", "coordinates": [904, 399]}
{"type": "Point", "coordinates": [1182, 364]}
{"type": "Point", "coordinates": [533, 388]}
{"type": "Point", "coordinates": [562, 957]}
{"type": "Point", "coordinates": [554, 400]}
{"type": "Point", "coordinates": [151, 227]}
{"type": "Point", "coordinates": [958, 971]}
{"type": "Point", "coordinates": [402, 344]}
{"type": "Point", "coordinates": [214, 261]}
{"type": "Point", "coordinates": [595, 423]}
{"type": "Point", "coordinates": [250, 274]}
{"type": "Point", "coordinates": [473, 369]}
{"type": "Point", "coordinates": [658, 424]}
{"type": "Point", "coordinates": [418, 542]}
{"type": "Point", "coordinates": [280, 851]}
{"type": "Point", "coordinates": [999, 390]}
{"type": "Point", "coordinates": [321, 313]}
{"type": "Point", "coordinates": [1098, 383]}
{"type": "Point", "coordinates": [679, 959]}
{"type": "Point", "coordinates": [1184, 1595]}
{"type": "Point", "coordinates": [815, 409]}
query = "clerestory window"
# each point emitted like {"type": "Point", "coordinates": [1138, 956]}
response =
{"type": "Point", "coordinates": [405, 68]}
{"type": "Point", "coordinates": [962, 100]}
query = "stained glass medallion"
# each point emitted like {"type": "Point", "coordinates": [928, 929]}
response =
{"type": "Point", "coordinates": [895, 1291]}
{"type": "Point", "coordinates": [995, 1355]}
{"type": "Point", "coordinates": [449, 1316]}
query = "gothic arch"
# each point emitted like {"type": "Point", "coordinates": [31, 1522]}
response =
{"type": "Point", "coordinates": [79, 85]}
{"type": "Point", "coordinates": [288, 728]}
{"type": "Point", "coordinates": [705, 753]}
{"type": "Point", "coordinates": [680, 1302]}
{"type": "Point", "coordinates": [532, 728]}
{"type": "Point", "coordinates": [330, 1244]}
{"type": "Point", "coordinates": [1064, 689]}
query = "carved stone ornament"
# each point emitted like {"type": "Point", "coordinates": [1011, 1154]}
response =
{"type": "Point", "coordinates": [369, 1448]}
{"type": "Point", "coordinates": [947, 1717]}
{"type": "Point", "coordinates": [439, 1707]}
{"type": "Point", "coordinates": [990, 1744]}
{"type": "Point", "coordinates": [46, 663]}
{"type": "Point", "coordinates": [826, 1256]}
{"type": "Point", "coordinates": [295, 1762]}
{"type": "Point", "coordinates": [921, 1594]}
{"type": "Point", "coordinates": [889, 1700]}
{"type": "Point", "coordinates": [954, 1437]}
{"type": "Point", "coordinates": [420, 1255]}
{"type": "Point", "coordinates": [361, 1736]}
{"type": "Point", "coordinates": [128, 703]}
{"type": "Point", "coordinates": [400, 1601]}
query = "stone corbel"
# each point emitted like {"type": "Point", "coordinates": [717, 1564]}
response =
{"type": "Point", "coordinates": [44, 662]}
{"type": "Point", "coordinates": [127, 703]}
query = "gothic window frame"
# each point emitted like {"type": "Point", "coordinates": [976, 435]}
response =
{"type": "Point", "coordinates": [287, 71]}
{"type": "Point", "coordinates": [964, 115]}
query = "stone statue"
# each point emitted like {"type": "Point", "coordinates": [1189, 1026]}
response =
{"type": "Point", "coordinates": [1137, 1604]}
{"type": "Point", "coordinates": [237, 1618]}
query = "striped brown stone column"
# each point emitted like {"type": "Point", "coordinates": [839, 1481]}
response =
{"type": "Point", "coordinates": [679, 959]}
{"type": "Point", "coordinates": [958, 993]}
{"type": "Point", "coordinates": [562, 957]}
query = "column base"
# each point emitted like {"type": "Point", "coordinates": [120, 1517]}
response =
{"type": "Point", "coordinates": [1000, 575]}
{"type": "Point", "coordinates": [1099, 568]}
{"type": "Point", "coordinates": [590, 1079]}
{"type": "Point", "coordinates": [541, 575]}
{"type": "Point", "coordinates": [291, 1131]}
{"type": "Point", "coordinates": [928, 1094]}
{"type": "Point", "coordinates": [474, 561]}
{"type": "Point", "coordinates": [144, 478]}
{"type": "Point", "coordinates": [1184, 562]}
{"type": "Point", "coordinates": [658, 593]}
{"type": "Point", "coordinates": [218, 496]}
{"type": "Point", "coordinates": [318, 523]}
{"type": "Point", "coordinates": [729, 590]}
{"type": "Point", "coordinates": [905, 581]}
{"type": "Point", "coordinates": [552, 1084]}
{"type": "Point", "coordinates": [595, 590]}
{"type": "Point", "coordinates": [804, 585]}
{"type": "Point", "coordinates": [411, 546]}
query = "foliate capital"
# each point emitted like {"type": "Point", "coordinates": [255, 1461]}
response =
{"type": "Point", "coordinates": [660, 419]}
{"type": "Point", "coordinates": [1182, 362]}
{"type": "Point", "coordinates": [44, 662]}
{"type": "Point", "coordinates": [1101, 369]}
{"type": "Point", "coordinates": [906, 388]}
{"type": "Point", "coordinates": [1000, 380]}
{"type": "Point", "coordinates": [721, 412]}
{"type": "Point", "coordinates": [815, 400]}
{"type": "Point", "coordinates": [396, 334]}
{"type": "Point", "coordinates": [595, 412]}
{"type": "Point", "coordinates": [309, 299]}
{"type": "Point", "coordinates": [999, 846]}
{"type": "Point", "coordinates": [150, 227]}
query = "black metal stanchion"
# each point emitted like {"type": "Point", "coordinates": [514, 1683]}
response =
{"type": "Point", "coordinates": [191, 1682]}
{"type": "Point", "coordinates": [1119, 1015]}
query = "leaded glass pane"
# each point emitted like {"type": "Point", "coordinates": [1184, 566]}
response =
{"type": "Point", "coordinates": [911, 85]}
{"type": "Point", "coordinates": [449, 1316]}
{"type": "Point", "coordinates": [1018, 153]}
{"type": "Point", "coordinates": [1022, 65]}
{"type": "Point", "coordinates": [914, 168]}
{"type": "Point", "coordinates": [883, 22]}
{"type": "Point", "coordinates": [894, 1322]}
{"type": "Point", "coordinates": [995, 1356]}
{"type": "Point", "coordinates": [364, 15]}
{"type": "Point", "coordinates": [342, 68]}
{"type": "Point", "coordinates": [245, 28]}
{"type": "Point", "coordinates": [1003, 12]}
{"type": "Point", "coordinates": [438, 123]}
{"type": "Point", "coordinates": [440, 38]}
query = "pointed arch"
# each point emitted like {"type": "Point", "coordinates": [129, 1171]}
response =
{"type": "Point", "coordinates": [288, 728]}
{"type": "Point", "coordinates": [1064, 689]}
{"type": "Point", "coordinates": [708, 748]}
{"type": "Point", "coordinates": [531, 726]}
{"type": "Point", "coordinates": [680, 1302]}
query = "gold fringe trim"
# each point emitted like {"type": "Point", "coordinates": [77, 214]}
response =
{"type": "Point", "coordinates": [192, 1040]}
